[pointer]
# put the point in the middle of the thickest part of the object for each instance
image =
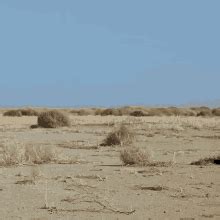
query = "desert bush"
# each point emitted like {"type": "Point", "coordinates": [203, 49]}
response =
{"type": "Point", "coordinates": [137, 113]}
{"type": "Point", "coordinates": [188, 112]}
{"type": "Point", "coordinates": [39, 154]}
{"type": "Point", "coordinates": [82, 112]}
{"type": "Point", "coordinates": [21, 112]}
{"type": "Point", "coordinates": [216, 112]}
{"type": "Point", "coordinates": [34, 126]}
{"type": "Point", "coordinates": [205, 112]}
{"type": "Point", "coordinates": [120, 136]}
{"type": "Point", "coordinates": [135, 156]}
{"type": "Point", "coordinates": [29, 112]}
{"type": "Point", "coordinates": [126, 110]}
{"type": "Point", "coordinates": [207, 161]}
{"type": "Point", "coordinates": [159, 112]}
{"type": "Point", "coordinates": [174, 111]}
{"type": "Point", "coordinates": [98, 111]}
{"type": "Point", "coordinates": [53, 119]}
{"type": "Point", "coordinates": [11, 154]}
{"type": "Point", "coordinates": [200, 111]}
{"type": "Point", "coordinates": [111, 111]}
{"type": "Point", "coordinates": [14, 113]}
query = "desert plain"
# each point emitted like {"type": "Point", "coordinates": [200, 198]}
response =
{"type": "Point", "coordinates": [86, 180]}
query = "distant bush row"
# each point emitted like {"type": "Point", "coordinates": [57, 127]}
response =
{"type": "Point", "coordinates": [144, 111]}
{"type": "Point", "coordinates": [21, 112]}
{"type": "Point", "coordinates": [130, 110]}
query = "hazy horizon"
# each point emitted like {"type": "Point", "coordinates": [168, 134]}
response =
{"type": "Point", "coordinates": [109, 53]}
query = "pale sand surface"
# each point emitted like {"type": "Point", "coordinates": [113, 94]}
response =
{"type": "Point", "coordinates": [98, 186]}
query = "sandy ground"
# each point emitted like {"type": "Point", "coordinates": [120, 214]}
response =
{"type": "Point", "coordinates": [98, 186]}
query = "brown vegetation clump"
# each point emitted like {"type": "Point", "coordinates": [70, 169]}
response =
{"type": "Point", "coordinates": [82, 112]}
{"type": "Point", "coordinates": [34, 126]}
{"type": "Point", "coordinates": [207, 161]}
{"type": "Point", "coordinates": [53, 119]}
{"type": "Point", "coordinates": [216, 112]}
{"type": "Point", "coordinates": [204, 111]}
{"type": "Point", "coordinates": [16, 154]}
{"type": "Point", "coordinates": [21, 112]}
{"type": "Point", "coordinates": [39, 154]}
{"type": "Point", "coordinates": [174, 111]}
{"type": "Point", "coordinates": [10, 154]}
{"type": "Point", "coordinates": [119, 137]}
{"type": "Point", "coordinates": [201, 111]}
{"type": "Point", "coordinates": [13, 113]}
{"type": "Point", "coordinates": [137, 113]}
{"type": "Point", "coordinates": [29, 112]}
{"type": "Point", "coordinates": [135, 156]}
{"type": "Point", "coordinates": [111, 111]}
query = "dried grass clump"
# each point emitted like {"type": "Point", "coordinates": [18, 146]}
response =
{"type": "Point", "coordinates": [138, 157]}
{"type": "Point", "coordinates": [137, 113]}
{"type": "Point", "coordinates": [205, 112]}
{"type": "Point", "coordinates": [34, 126]}
{"type": "Point", "coordinates": [21, 112]}
{"type": "Point", "coordinates": [53, 119]}
{"type": "Point", "coordinates": [12, 154]}
{"type": "Point", "coordinates": [82, 112]}
{"type": "Point", "coordinates": [13, 113]}
{"type": "Point", "coordinates": [216, 112]}
{"type": "Point", "coordinates": [207, 161]}
{"type": "Point", "coordinates": [135, 156]}
{"type": "Point", "coordinates": [111, 111]}
{"type": "Point", "coordinates": [120, 136]}
{"type": "Point", "coordinates": [174, 111]}
{"type": "Point", "coordinates": [29, 112]}
{"type": "Point", "coordinates": [39, 154]}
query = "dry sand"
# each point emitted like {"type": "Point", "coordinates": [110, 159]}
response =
{"type": "Point", "coordinates": [98, 186]}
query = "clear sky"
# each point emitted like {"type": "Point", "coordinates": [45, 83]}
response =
{"type": "Point", "coordinates": [109, 52]}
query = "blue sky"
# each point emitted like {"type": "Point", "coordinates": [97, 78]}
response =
{"type": "Point", "coordinates": [109, 52]}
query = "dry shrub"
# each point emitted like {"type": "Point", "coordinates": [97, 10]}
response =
{"type": "Point", "coordinates": [126, 110]}
{"type": "Point", "coordinates": [21, 112]}
{"type": "Point", "coordinates": [205, 112]}
{"type": "Point", "coordinates": [137, 113]}
{"type": "Point", "coordinates": [120, 136]}
{"type": "Point", "coordinates": [135, 156]}
{"type": "Point", "coordinates": [174, 111]}
{"type": "Point", "coordinates": [53, 119]}
{"type": "Point", "coordinates": [201, 111]}
{"type": "Point", "coordinates": [39, 154]}
{"type": "Point", "coordinates": [216, 112]}
{"type": "Point", "coordinates": [14, 113]}
{"type": "Point", "coordinates": [29, 112]}
{"type": "Point", "coordinates": [82, 112]}
{"type": "Point", "coordinates": [171, 111]}
{"type": "Point", "coordinates": [207, 161]}
{"type": "Point", "coordinates": [34, 126]}
{"type": "Point", "coordinates": [11, 154]}
{"type": "Point", "coordinates": [111, 111]}
{"type": "Point", "coordinates": [158, 112]}
{"type": "Point", "coordinates": [164, 111]}
{"type": "Point", "coordinates": [98, 111]}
